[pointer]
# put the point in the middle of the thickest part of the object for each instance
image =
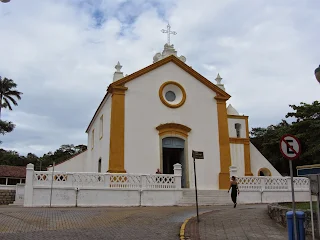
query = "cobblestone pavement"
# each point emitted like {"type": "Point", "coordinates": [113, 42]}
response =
{"type": "Point", "coordinates": [243, 222]}
{"type": "Point", "coordinates": [93, 223]}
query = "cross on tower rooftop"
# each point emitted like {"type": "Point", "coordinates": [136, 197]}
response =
{"type": "Point", "coordinates": [168, 32]}
{"type": "Point", "coordinates": [168, 48]}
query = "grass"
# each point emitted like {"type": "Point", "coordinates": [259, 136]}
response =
{"type": "Point", "coordinates": [301, 205]}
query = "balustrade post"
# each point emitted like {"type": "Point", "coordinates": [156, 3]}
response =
{"type": "Point", "coordinates": [107, 177]}
{"type": "Point", "coordinates": [289, 183]}
{"type": "Point", "coordinates": [177, 171]}
{"type": "Point", "coordinates": [143, 184]}
{"type": "Point", "coordinates": [233, 171]}
{"type": "Point", "coordinates": [28, 189]}
{"type": "Point", "coordinates": [263, 184]}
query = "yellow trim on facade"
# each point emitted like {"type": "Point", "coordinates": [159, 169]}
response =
{"type": "Point", "coordinates": [116, 151]}
{"type": "Point", "coordinates": [247, 159]}
{"type": "Point", "coordinates": [246, 153]}
{"type": "Point", "coordinates": [224, 143]}
{"type": "Point", "coordinates": [184, 95]}
{"type": "Point", "coordinates": [239, 140]}
{"type": "Point", "coordinates": [180, 64]}
{"type": "Point", "coordinates": [175, 130]}
{"type": "Point", "coordinates": [246, 142]}
{"type": "Point", "coordinates": [264, 170]}
{"type": "Point", "coordinates": [237, 116]}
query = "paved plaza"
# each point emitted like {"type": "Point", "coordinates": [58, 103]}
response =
{"type": "Point", "coordinates": [92, 223]}
{"type": "Point", "coordinates": [244, 222]}
{"type": "Point", "coordinates": [223, 222]}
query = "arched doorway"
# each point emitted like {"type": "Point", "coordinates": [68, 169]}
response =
{"type": "Point", "coordinates": [264, 172]}
{"type": "Point", "coordinates": [173, 151]}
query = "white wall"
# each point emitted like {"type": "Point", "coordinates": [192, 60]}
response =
{"type": "Point", "coordinates": [232, 129]}
{"type": "Point", "coordinates": [74, 164]}
{"type": "Point", "coordinates": [68, 197]}
{"type": "Point", "coordinates": [272, 196]}
{"type": "Point", "coordinates": [101, 146]}
{"type": "Point", "coordinates": [145, 111]}
{"type": "Point", "coordinates": [259, 161]}
{"type": "Point", "coordinates": [237, 158]}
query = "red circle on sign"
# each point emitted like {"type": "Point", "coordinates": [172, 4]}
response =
{"type": "Point", "coordinates": [297, 153]}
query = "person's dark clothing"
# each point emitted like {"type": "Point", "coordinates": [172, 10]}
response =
{"type": "Point", "coordinates": [234, 189]}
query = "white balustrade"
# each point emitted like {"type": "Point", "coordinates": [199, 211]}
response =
{"type": "Point", "coordinates": [272, 183]}
{"type": "Point", "coordinates": [108, 180]}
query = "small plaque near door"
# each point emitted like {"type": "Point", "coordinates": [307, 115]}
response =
{"type": "Point", "coordinates": [197, 155]}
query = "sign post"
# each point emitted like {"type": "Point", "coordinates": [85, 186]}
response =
{"type": "Point", "coordinates": [314, 189]}
{"type": "Point", "coordinates": [51, 183]}
{"type": "Point", "coordinates": [290, 148]}
{"type": "Point", "coordinates": [196, 155]}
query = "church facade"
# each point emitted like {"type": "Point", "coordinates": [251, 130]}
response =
{"type": "Point", "coordinates": [155, 117]}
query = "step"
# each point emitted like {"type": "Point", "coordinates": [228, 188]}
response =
{"type": "Point", "coordinates": [205, 197]}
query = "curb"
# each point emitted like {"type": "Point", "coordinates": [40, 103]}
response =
{"type": "Point", "coordinates": [182, 229]}
{"type": "Point", "coordinates": [184, 224]}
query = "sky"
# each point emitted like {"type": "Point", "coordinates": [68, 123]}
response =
{"type": "Point", "coordinates": [62, 56]}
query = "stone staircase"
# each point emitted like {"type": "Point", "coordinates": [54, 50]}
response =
{"type": "Point", "coordinates": [205, 198]}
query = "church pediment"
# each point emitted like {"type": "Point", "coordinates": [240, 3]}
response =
{"type": "Point", "coordinates": [121, 82]}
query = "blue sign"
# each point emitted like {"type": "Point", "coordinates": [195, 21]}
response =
{"type": "Point", "coordinates": [308, 170]}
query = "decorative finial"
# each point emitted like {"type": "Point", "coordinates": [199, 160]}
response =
{"type": "Point", "coordinates": [118, 67]}
{"type": "Point", "coordinates": [168, 32]}
{"type": "Point", "coordinates": [117, 74]}
{"type": "Point", "coordinates": [218, 78]}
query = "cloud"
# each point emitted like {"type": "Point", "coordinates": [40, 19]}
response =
{"type": "Point", "coordinates": [62, 55]}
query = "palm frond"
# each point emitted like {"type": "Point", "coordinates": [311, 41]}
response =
{"type": "Point", "coordinates": [7, 98]}
{"type": "Point", "coordinates": [14, 93]}
{"type": "Point", "coordinates": [7, 103]}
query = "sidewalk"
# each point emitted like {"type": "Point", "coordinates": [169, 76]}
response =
{"type": "Point", "coordinates": [243, 222]}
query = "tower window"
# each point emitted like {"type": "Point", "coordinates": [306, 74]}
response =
{"type": "Point", "coordinates": [99, 165]}
{"type": "Point", "coordinates": [92, 139]}
{"type": "Point", "coordinates": [238, 127]}
{"type": "Point", "coordinates": [101, 127]}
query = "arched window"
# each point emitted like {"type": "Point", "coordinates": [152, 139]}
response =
{"type": "Point", "coordinates": [237, 126]}
{"type": "Point", "coordinates": [264, 172]}
{"type": "Point", "coordinates": [99, 165]}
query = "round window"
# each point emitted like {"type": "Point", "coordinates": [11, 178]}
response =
{"type": "Point", "coordinates": [170, 96]}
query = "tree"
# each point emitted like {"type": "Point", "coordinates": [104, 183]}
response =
{"type": "Point", "coordinates": [8, 93]}
{"type": "Point", "coordinates": [63, 153]}
{"type": "Point", "coordinates": [305, 126]}
{"type": "Point", "coordinates": [6, 127]}
{"type": "Point", "coordinates": [307, 129]}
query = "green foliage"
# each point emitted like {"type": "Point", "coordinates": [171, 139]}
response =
{"type": "Point", "coordinates": [8, 93]}
{"type": "Point", "coordinates": [305, 126]}
{"type": "Point", "coordinates": [63, 153]}
{"type": "Point", "coordinates": [6, 127]}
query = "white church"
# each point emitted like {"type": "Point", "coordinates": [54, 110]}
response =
{"type": "Point", "coordinates": [154, 118]}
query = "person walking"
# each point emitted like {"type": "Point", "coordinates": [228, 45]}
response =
{"type": "Point", "coordinates": [234, 190]}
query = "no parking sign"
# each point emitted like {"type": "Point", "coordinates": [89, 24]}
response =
{"type": "Point", "coordinates": [290, 147]}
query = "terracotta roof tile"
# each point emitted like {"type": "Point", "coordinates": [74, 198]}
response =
{"type": "Point", "coordinates": [12, 171]}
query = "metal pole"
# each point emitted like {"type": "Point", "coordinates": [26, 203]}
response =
{"type": "Point", "coordinates": [318, 202]}
{"type": "Point", "coordinates": [195, 183]}
{"type": "Point", "coordinates": [293, 202]}
{"type": "Point", "coordinates": [51, 183]}
{"type": "Point", "coordinates": [311, 209]}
